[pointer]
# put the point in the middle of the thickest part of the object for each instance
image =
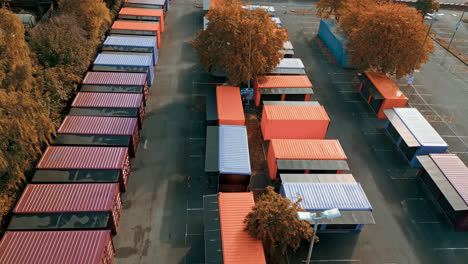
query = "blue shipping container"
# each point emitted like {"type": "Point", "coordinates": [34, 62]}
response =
{"type": "Point", "coordinates": [335, 42]}
{"type": "Point", "coordinates": [134, 44]}
{"type": "Point", "coordinates": [233, 150]}
{"type": "Point", "coordinates": [121, 61]}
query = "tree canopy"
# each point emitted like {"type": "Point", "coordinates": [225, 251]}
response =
{"type": "Point", "coordinates": [225, 42]}
{"type": "Point", "coordinates": [427, 6]}
{"type": "Point", "coordinates": [328, 8]}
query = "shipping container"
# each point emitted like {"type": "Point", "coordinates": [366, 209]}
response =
{"type": "Point", "coordinates": [83, 161]}
{"type": "Point", "coordinates": [49, 207]}
{"type": "Point", "coordinates": [148, 4]}
{"type": "Point", "coordinates": [131, 46]}
{"type": "Point", "coordinates": [211, 108]}
{"type": "Point", "coordinates": [335, 42]}
{"type": "Point", "coordinates": [305, 156]}
{"type": "Point", "coordinates": [98, 131]}
{"type": "Point", "coordinates": [234, 159]}
{"type": "Point", "coordinates": [238, 246]}
{"type": "Point", "coordinates": [229, 105]}
{"type": "Point", "coordinates": [305, 103]}
{"type": "Point", "coordinates": [317, 178]}
{"type": "Point", "coordinates": [44, 247]}
{"type": "Point", "coordinates": [380, 93]}
{"type": "Point", "coordinates": [109, 104]}
{"type": "Point", "coordinates": [277, 21]}
{"type": "Point", "coordinates": [294, 122]}
{"type": "Point", "coordinates": [289, 66]}
{"type": "Point", "coordinates": [413, 134]}
{"type": "Point", "coordinates": [125, 63]}
{"type": "Point", "coordinates": [141, 28]}
{"type": "Point", "coordinates": [116, 82]}
{"type": "Point", "coordinates": [288, 49]}
{"type": "Point", "coordinates": [446, 178]}
{"type": "Point", "coordinates": [143, 14]}
{"type": "Point", "coordinates": [212, 149]}
{"type": "Point", "coordinates": [282, 88]}
{"type": "Point", "coordinates": [270, 9]}
{"type": "Point", "coordinates": [212, 230]}
{"type": "Point", "coordinates": [349, 198]}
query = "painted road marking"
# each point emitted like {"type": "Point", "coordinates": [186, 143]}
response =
{"type": "Point", "coordinates": [145, 145]}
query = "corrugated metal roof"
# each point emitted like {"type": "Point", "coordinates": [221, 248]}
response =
{"type": "Point", "coordinates": [141, 12]}
{"type": "Point", "coordinates": [115, 78]}
{"type": "Point", "coordinates": [109, 100]}
{"type": "Point", "coordinates": [83, 158]}
{"type": "Point", "coordinates": [233, 150]}
{"type": "Point", "coordinates": [97, 125]}
{"type": "Point", "coordinates": [419, 127]}
{"type": "Point", "coordinates": [320, 149]}
{"type": "Point", "coordinates": [147, 2]}
{"type": "Point", "coordinates": [288, 45]}
{"type": "Point", "coordinates": [124, 60]}
{"type": "Point", "coordinates": [269, 9]}
{"type": "Point", "coordinates": [317, 178]}
{"type": "Point", "coordinates": [135, 25]}
{"type": "Point", "coordinates": [229, 104]}
{"type": "Point", "coordinates": [324, 196]}
{"type": "Point", "coordinates": [45, 247]}
{"type": "Point", "coordinates": [290, 63]}
{"type": "Point", "coordinates": [283, 81]}
{"type": "Point", "coordinates": [60, 198]}
{"type": "Point", "coordinates": [238, 245]}
{"type": "Point", "coordinates": [455, 171]}
{"type": "Point", "coordinates": [130, 41]}
{"type": "Point", "coordinates": [295, 112]}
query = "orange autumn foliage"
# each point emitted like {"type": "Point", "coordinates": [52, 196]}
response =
{"type": "Point", "coordinates": [328, 8]}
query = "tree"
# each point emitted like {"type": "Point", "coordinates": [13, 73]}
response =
{"type": "Point", "coordinates": [225, 42]}
{"type": "Point", "coordinates": [383, 36]}
{"type": "Point", "coordinates": [328, 8]}
{"type": "Point", "coordinates": [427, 6]}
{"type": "Point", "coordinates": [274, 221]}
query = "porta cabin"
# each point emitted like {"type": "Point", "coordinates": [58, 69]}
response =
{"type": "Point", "coordinates": [83, 165]}
{"type": "Point", "coordinates": [148, 4]}
{"type": "Point", "coordinates": [335, 41]}
{"type": "Point", "coordinates": [143, 14]}
{"type": "Point", "coordinates": [412, 134]}
{"type": "Point", "coordinates": [212, 149]}
{"type": "Point", "coordinates": [229, 105]}
{"type": "Point", "coordinates": [99, 131]}
{"type": "Point", "coordinates": [282, 88]}
{"type": "Point", "coordinates": [93, 247]}
{"type": "Point", "coordinates": [131, 46]}
{"type": "Point", "coordinates": [67, 207]}
{"type": "Point", "coordinates": [109, 104]}
{"type": "Point", "coordinates": [380, 93]}
{"type": "Point", "coordinates": [446, 177]}
{"type": "Point", "coordinates": [294, 122]}
{"type": "Point", "coordinates": [289, 66]}
{"type": "Point", "coordinates": [270, 9]}
{"type": "Point", "coordinates": [305, 156]}
{"type": "Point", "coordinates": [125, 63]}
{"type": "Point", "coordinates": [348, 197]}
{"type": "Point", "coordinates": [127, 27]}
{"type": "Point", "coordinates": [234, 160]}
{"type": "Point", "coordinates": [288, 49]}
{"type": "Point", "coordinates": [116, 82]}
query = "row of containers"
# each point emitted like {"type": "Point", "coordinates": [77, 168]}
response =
{"type": "Point", "coordinates": [73, 204]}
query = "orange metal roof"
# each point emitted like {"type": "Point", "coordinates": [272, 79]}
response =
{"type": "Point", "coordinates": [215, 3]}
{"type": "Point", "coordinates": [238, 245]}
{"type": "Point", "coordinates": [229, 103]}
{"type": "Point", "coordinates": [285, 81]}
{"type": "Point", "coordinates": [308, 149]}
{"type": "Point", "coordinates": [295, 112]}
{"type": "Point", "coordinates": [135, 25]}
{"type": "Point", "coordinates": [141, 12]}
{"type": "Point", "coordinates": [386, 87]}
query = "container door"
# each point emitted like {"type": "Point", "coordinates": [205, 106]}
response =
{"type": "Point", "coordinates": [375, 104]}
{"type": "Point", "coordinates": [294, 97]}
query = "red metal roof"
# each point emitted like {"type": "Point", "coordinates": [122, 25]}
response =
{"type": "Point", "coordinates": [238, 245]}
{"type": "Point", "coordinates": [83, 158]}
{"type": "Point", "coordinates": [136, 25]}
{"type": "Point", "coordinates": [111, 100]}
{"type": "Point", "coordinates": [229, 103]}
{"type": "Point", "coordinates": [115, 78]}
{"type": "Point", "coordinates": [386, 87]}
{"type": "Point", "coordinates": [455, 171]}
{"type": "Point", "coordinates": [308, 149]}
{"type": "Point", "coordinates": [61, 198]}
{"type": "Point", "coordinates": [285, 81]}
{"type": "Point", "coordinates": [45, 247]}
{"type": "Point", "coordinates": [98, 125]}
{"type": "Point", "coordinates": [142, 12]}
{"type": "Point", "coordinates": [295, 112]}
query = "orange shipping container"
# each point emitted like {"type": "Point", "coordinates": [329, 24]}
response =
{"type": "Point", "coordinates": [229, 104]}
{"type": "Point", "coordinates": [137, 28]}
{"type": "Point", "coordinates": [281, 81]}
{"type": "Point", "coordinates": [294, 122]}
{"type": "Point", "coordinates": [143, 14]}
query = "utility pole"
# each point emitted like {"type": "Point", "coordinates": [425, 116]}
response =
{"type": "Point", "coordinates": [458, 25]}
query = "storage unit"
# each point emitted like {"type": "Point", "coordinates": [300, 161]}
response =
{"type": "Point", "coordinates": [282, 88]}
{"type": "Point", "coordinates": [137, 46]}
{"type": "Point", "coordinates": [349, 198]}
{"type": "Point", "coordinates": [277, 21]}
{"type": "Point", "coordinates": [148, 4]}
{"type": "Point", "coordinates": [99, 131]}
{"type": "Point", "coordinates": [270, 9]}
{"type": "Point", "coordinates": [305, 156]}
{"type": "Point", "coordinates": [308, 103]}
{"type": "Point", "coordinates": [289, 66]}
{"type": "Point", "coordinates": [212, 149]}
{"type": "Point", "coordinates": [93, 247]}
{"type": "Point", "coordinates": [234, 159]}
{"type": "Point", "coordinates": [294, 121]}
{"type": "Point", "coordinates": [68, 207]}
{"type": "Point", "coordinates": [335, 42]}
{"type": "Point", "coordinates": [446, 177]}
{"type": "Point", "coordinates": [211, 108]}
{"type": "Point", "coordinates": [380, 93]}
{"type": "Point", "coordinates": [288, 49]}
{"type": "Point", "coordinates": [317, 178]}
{"type": "Point", "coordinates": [238, 245]}
{"type": "Point", "coordinates": [412, 134]}
{"type": "Point", "coordinates": [125, 63]}
{"type": "Point", "coordinates": [109, 104]}
{"type": "Point", "coordinates": [57, 164]}
{"type": "Point", "coordinates": [229, 105]}
{"type": "Point", "coordinates": [153, 15]}
{"type": "Point", "coordinates": [141, 28]}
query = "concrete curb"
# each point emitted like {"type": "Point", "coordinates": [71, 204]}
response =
{"type": "Point", "coordinates": [455, 55]}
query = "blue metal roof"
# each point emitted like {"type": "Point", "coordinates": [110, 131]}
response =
{"type": "Point", "coordinates": [424, 133]}
{"type": "Point", "coordinates": [124, 60]}
{"type": "Point", "coordinates": [324, 196]}
{"type": "Point", "coordinates": [233, 150]}
{"type": "Point", "coordinates": [130, 41]}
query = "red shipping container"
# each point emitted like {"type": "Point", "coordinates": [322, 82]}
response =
{"type": "Point", "coordinates": [229, 104]}
{"type": "Point", "coordinates": [137, 28]}
{"type": "Point", "coordinates": [143, 14]}
{"type": "Point", "coordinates": [294, 122]}
{"type": "Point", "coordinates": [281, 81]}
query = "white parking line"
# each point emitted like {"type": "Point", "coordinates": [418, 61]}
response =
{"type": "Point", "coordinates": [335, 260]}
{"type": "Point", "coordinates": [451, 248]}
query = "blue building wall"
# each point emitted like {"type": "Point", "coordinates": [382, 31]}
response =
{"type": "Point", "coordinates": [335, 42]}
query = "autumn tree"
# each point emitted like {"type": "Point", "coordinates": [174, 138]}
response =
{"type": "Point", "coordinates": [384, 36]}
{"type": "Point", "coordinates": [427, 6]}
{"type": "Point", "coordinates": [274, 221]}
{"type": "Point", "coordinates": [225, 42]}
{"type": "Point", "coordinates": [328, 8]}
